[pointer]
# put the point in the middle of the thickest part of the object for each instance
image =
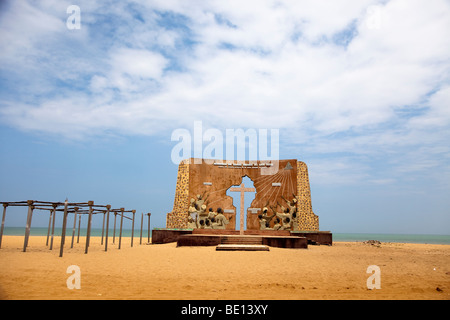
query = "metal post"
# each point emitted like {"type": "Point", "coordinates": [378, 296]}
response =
{"type": "Point", "coordinates": [142, 221]}
{"type": "Point", "coordinates": [53, 226]}
{"type": "Point", "coordinates": [5, 205]}
{"type": "Point", "coordinates": [114, 230]}
{"type": "Point", "coordinates": [28, 225]}
{"type": "Point", "coordinates": [103, 227]}
{"type": "Point", "coordinates": [88, 235]}
{"type": "Point", "coordinates": [107, 226]}
{"type": "Point", "coordinates": [49, 226]}
{"type": "Point", "coordinates": [148, 228]}
{"type": "Point", "coordinates": [74, 225]}
{"type": "Point", "coordinates": [63, 233]}
{"type": "Point", "coordinates": [121, 223]}
{"type": "Point", "coordinates": [132, 228]}
{"type": "Point", "coordinates": [79, 228]}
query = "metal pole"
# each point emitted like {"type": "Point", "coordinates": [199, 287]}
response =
{"type": "Point", "coordinates": [63, 233]}
{"type": "Point", "coordinates": [142, 220]}
{"type": "Point", "coordinates": [88, 235]}
{"type": "Point", "coordinates": [103, 227]}
{"type": "Point", "coordinates": [148, 228]}
{"type": "Point", "coordinates": [121, 223]}
{"type": "Point", "coordinates": [49, 226]}
{"type": "Point", "coordinates": [5, 205]}
{"type": "Point", "coordinates": [74, 225]}
{"type": "Point", "coordinates": [107, 226]}
{"type": "Point", "coordinates": [132, 229]}
{"type": "Point", "coordinates": [79, 228]}
{"type": "Point", "coordinates": [114, 230]}
{"type": "Point", "coordinates": [28, 225]}
{"type": "Point", "coordinates": [53, 226]}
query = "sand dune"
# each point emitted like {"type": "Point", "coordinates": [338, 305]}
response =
{"type": "Point", "coordinates": [408, 271]}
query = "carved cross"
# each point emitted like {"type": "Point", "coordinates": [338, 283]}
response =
{"type": "Point", "coordinates": [242, 189]}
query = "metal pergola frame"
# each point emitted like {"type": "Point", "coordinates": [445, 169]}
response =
{"type": "Point", "coordinates": [77, 208]}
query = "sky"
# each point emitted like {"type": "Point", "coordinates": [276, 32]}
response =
{"type": "Point", "coordinates": [358, 89]}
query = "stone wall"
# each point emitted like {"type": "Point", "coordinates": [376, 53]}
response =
{"type": "Point", "coordinates": [178, 217]}
{"type": "Point", "coordinates": [307, 220]}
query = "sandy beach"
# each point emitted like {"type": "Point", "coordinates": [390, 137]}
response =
{"type": "Point", "coordinates": [408, 271]}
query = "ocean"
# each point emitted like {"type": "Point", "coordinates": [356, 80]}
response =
{"type": "Point", "coordinates": [400, 238]}
{"type": "Point", "coordinates": [95, 232]}
{"type": "Point", "coordinates": [350, 237]}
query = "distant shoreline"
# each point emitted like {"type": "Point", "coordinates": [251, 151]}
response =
{"type": "Point", "coordinates": [337, 237]}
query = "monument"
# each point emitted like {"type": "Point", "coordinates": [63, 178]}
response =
{"type": "Point", "coordinates": [281, 207]}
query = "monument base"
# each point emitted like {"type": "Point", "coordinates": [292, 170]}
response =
{"type": "Point", "coordinates": [161, 235]}
{"type": "Point", "coordinates": [242, 247]}
{"type": "Point", "coordinates": [213, 237]}
{"type": "Point", "coordinates": [315, 237]}
{"type": "Point", "coordinates": [250, 240]}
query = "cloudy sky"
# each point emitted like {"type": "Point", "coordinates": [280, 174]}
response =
{"type": "Point", "coordinates": [359, 90]}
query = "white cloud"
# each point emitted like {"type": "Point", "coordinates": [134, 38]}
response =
{"type": "Point", "coordinates": [22, 25]}
{"type": "Point", "coordinates": [138, 63]}
{"type": "Point", "coordinates": [340, 76]}
{"type": "Point", "coordinates": [130, 68]}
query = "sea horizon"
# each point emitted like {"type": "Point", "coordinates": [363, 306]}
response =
{"type": "Point", "coordinates": [337, 237]}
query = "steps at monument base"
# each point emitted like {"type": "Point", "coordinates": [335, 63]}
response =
{"type": "Point", "coordinates": [242, 247]}
{"type": "Point", "coordinates": [215, 240]}
{"type": "Point", "coordinates": [241, 240]}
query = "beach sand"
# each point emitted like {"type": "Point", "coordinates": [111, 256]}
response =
{"type": "Point", "coordinates": [408, 271]}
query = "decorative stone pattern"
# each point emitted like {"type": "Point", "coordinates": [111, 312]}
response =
{"type": "Point", "coordinates": [178, 217]}
{"type": "Point", "coordinates": [307, 220]}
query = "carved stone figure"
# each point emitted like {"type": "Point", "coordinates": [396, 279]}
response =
{"type": "Point", "coordinates": [286, 221]}
{"type": "Point", "coordinates": [294, 221]}
{"type": "Point", "coordinates": [201, 200]}
{"type": "Point", "coordinates": [292, 205]}
{"type": "Point", "coordinates": [220, 221]}
{"type": "Point", "coordinates": [193, 215]}
{"type": "Point", "coordinates": [192, 224]}
{"type": "Point", "coordinates": [285, 218]}
{"type": "Point", "coordinates": [277, 225]}
{"type": "Point", "coordinates": [202, 217]}
{"type": "Point", "coordinates": [211, 214]}
{"type": "Point", "coordinates": [264, 220]}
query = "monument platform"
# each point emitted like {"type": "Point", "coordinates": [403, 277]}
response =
{"type": "Point", "coordinates": [213, 237]}
{"type": "Point", "coordinates": [242, 247]}
{"type": "Point", "coordinates": [225, 239]}
{"type": "Point", "coordinates": [167, 235]}
{"type": "Point", "coordinates": [315, 237]}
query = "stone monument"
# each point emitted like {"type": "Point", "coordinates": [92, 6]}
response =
{"type": "Point", "coordinates": [277, 183]}
{"type": "Point", "coordinates": [204, 214]}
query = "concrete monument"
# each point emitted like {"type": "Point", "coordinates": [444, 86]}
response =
{"type": "Point", "coordinates": [275, 182]}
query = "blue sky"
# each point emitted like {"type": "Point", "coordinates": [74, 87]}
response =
{"type": "Point", "coordinates": [359, 90]}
